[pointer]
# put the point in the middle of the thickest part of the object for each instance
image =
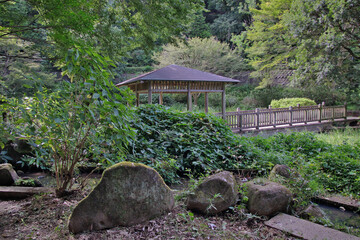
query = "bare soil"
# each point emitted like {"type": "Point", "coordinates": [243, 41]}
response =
{"type": "Point", "coordinates": [45, 217]}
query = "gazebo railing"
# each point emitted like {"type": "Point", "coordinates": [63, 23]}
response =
{"type": "Point", "coordinates": [274, 117]}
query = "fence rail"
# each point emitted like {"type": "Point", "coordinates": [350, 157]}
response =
{"type": "Point", "coordinates": [281, 116]}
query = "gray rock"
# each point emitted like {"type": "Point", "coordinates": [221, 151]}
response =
{"type": "Point", "coordinates": [7, 174]}
{"type": "Point", "coordinates": [215, 194]}
{"type": "Point", "coordinates": [267, 198]}
{"type": "Point", "coordinates": [312, 211]}
{"type": "Point", "coordinates": [128, 194]}
{"type": "Point", "coordinates": [281, 170]}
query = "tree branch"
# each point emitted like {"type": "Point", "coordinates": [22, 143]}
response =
{"type": "Point", "coordinates": [4, 1]}
{"type": "Point", "coordinates": [351, 52]}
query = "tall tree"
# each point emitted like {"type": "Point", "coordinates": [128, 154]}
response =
{"type": "Point", "coordinates": [227, 17]}
{"type": "Point", "coordinates": [206, 54]}
{"type": "Point", "coordinates": [110, 27]}
{"type": "Point", "coordinates": [269, 46]}
{"type": "Point", "coordinates": [327, 35]}
{"type": "Point", "coordinates": [89, 115]}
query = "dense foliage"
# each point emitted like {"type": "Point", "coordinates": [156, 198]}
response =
{"type": "Point", "coordinates": [206, 54]}
{"type": "Point", "coordinates": [81, 120]}
{"type": "Point", "coordinates": [319, 40]}
{"type": "Point", "coordinates": [292, 102]}
{"type": "Point", "coordinates": [175, 142]}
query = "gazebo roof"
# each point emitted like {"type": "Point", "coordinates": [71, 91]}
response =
{"type": "Point", "coordinates": [178, 73]}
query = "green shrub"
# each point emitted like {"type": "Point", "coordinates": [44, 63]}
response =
{"type": "Point", "coordinates": [175, 142]}
{"type": "Point", "coordinates": [287, 102]}
{"type": "Point", "coordinates": [172, 141]}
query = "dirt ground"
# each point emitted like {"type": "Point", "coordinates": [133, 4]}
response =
{"type": "Point", "coordinates": [45, 217]}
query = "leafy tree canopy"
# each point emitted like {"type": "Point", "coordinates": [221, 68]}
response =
{"type": "Point", "coordinates": [228, 17]}
{"type": "Point", "coordinates": [327, 36]}
{"type": "Point", "coordinates": [318, 39]}
{"type": "Point", "coordinates": [206, 54]}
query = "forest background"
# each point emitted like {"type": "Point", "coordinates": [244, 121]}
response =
{"type": "Point", "coordinates": [311, 46]}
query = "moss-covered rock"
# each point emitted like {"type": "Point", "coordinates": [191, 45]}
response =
{"type": "Point", "coordinates": [267, 198]}
{"type": "Point", "coordinates": [7, 174]}
{"type": "Point", "coordinates": [128, 193]}
{"type": "Point", "coordinates": [281, 170]}
{"type": "Point", "coordinates": [215, 194]}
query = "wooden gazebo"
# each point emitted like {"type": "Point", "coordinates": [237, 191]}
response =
{"type": "Point", "coordinates": [178, 79]}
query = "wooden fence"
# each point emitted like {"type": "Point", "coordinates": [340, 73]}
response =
{"type": "Point", "coordinates": [281, 116]}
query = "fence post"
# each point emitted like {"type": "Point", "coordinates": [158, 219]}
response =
{"type": "Point", "coordinates": [345, 112]}
{"type": "Point", "coordinates": [320, 112]}
{"type": "Point", "coordinates": [239, 118]}
{"type": "Point", "coordinates": [274, 119]}
{"type": "Point", "coordinates": [291, 115]}
{"type": "Point", "coordinates": [257, 118]}
{"type": "Point", "coordinates": [270, 112]}
{"type": "Point", "coordinates": [333, 114]}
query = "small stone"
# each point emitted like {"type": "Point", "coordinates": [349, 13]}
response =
{"type": "Point", "coordinates": [281, 170]}
{"type": "Point", "coordinates": [7, 174]}
{"type": "Point", "coordinates": [266, 198]}
{"type": "Point", "coordinates": [128, 194]}
{"type": "Point", "coordinates": [215, 194]}
{"type": "Point", "coordinates": [312, 211]}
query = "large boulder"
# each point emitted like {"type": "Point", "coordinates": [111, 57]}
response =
{"type": "Point", "coordinates": [267, 198]}
{"type": "Point", "coordinates": [128, 193]}
{"type": "Point", "coordinates": [215, 194]}
{"type": "Point", "coordinates": [7, 174]}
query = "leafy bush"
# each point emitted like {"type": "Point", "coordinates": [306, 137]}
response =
{"type": "Point", "coordinates": [335, 167]}
{"type": "Point", "coordinates": [173, 142]}
{"type": "Point", "coordinates": [287, 102]}
{"type": "Point", "coordinates": [86, 118]}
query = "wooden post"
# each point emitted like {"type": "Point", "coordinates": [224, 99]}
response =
{"type": "Point", "coordinates": [206, 102]}
{"type": "Point", "coordinates": [306, 116]}
{"type": "Point", "coordinates": [223, 110]}
{"type": "Point", "coordinates": [291, 115]}
{"type": "Point", "coordinates": [161, 98]}
{"type": "Point", "coordinates": [149, 94]}
{"type": "Point", "coordinates": [257, 118]}
{"type": "Point", "coordinates": [345, 112]}
{"type": "Point", "coordinates": [137, 102]}
{"type": "Point", "coordinates": [320, 112]}
{"type": "Point", "coordinates": [270, 112]}
{"type": "Point", "coordinates": [189, 99]}
{"type": "Point", "coordinates": [239, 118]}
{"type": "Point", "coordinates": [137, 99]}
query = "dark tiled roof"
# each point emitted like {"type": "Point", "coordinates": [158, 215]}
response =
{"type": "Point", "coordinates": [179, 73]}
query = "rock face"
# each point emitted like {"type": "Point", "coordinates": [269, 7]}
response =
{"type": "Point", "coordinates": [203, 200]}
{"type": "Point", "coordinates": [281, 170]}
{"type": "Point", "coordinates": [7, 174]}
{"type": "Point", "coordinates": [128, 193]}
{"type": "Point", "coordinates": [267, 198]}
